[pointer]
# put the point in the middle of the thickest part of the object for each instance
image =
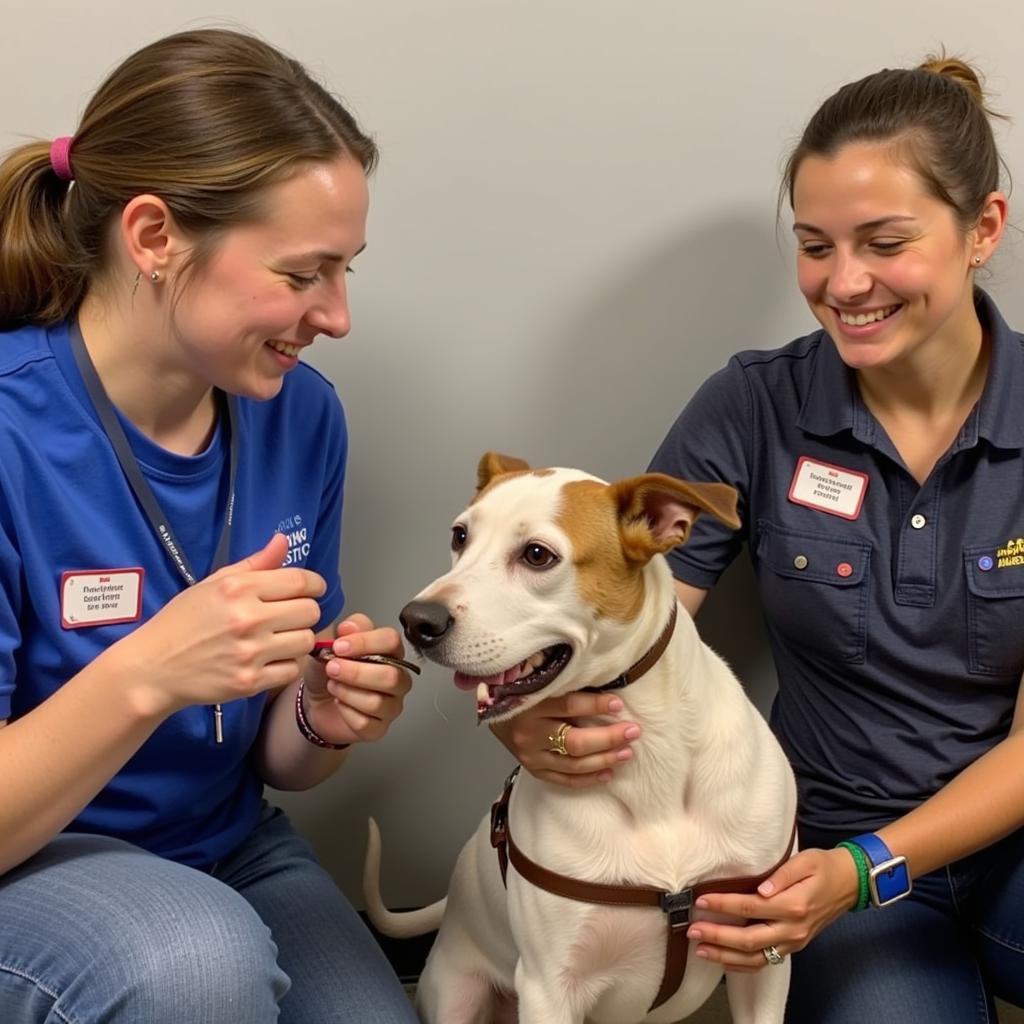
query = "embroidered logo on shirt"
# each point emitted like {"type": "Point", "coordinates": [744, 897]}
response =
{"type": "Point", "coordinates": [298, 539]}
{"type": "Point", "coordinates": [1010, 555]}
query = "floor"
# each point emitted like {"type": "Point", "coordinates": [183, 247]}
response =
{"type": "Point", "coordinates": [716, 1011]}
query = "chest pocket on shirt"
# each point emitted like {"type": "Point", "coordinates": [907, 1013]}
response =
{"type": "Point", "coordinates": [814, 589]}
{"type": "Point", "coordinates": [995, 613]}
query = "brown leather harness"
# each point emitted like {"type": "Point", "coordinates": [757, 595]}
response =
{"type": "Point", "coordinates": [675, 905]}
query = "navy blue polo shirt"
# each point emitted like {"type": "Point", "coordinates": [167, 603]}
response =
{"type": "Point", "coordinates": [897, 626]}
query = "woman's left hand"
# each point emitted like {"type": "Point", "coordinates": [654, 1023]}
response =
{"type": "Point", "coordinates": [806, 894]}
{"type": "Point", "coordinates": [356, 701]}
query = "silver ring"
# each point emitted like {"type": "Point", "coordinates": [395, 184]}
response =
{"type": "Point", "coordinates": [772, 955]}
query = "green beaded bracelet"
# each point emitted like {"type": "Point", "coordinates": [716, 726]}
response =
{"type": "Point", "coordinates": [862, 873]}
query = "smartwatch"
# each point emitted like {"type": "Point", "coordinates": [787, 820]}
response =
{"type": "Point", "coordinates": [888, 878]}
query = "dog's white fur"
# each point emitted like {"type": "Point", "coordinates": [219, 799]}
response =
{"type": "Point", "coordinates": [707, 794]}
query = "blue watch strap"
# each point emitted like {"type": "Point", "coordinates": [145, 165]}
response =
{"type": "Point", "coordinates": [892, 881]}
{"type": "Point", "coordinates": [875, 849]}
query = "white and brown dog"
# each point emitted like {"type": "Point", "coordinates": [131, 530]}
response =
{"type": "Point", "coordinates": [559, 584]}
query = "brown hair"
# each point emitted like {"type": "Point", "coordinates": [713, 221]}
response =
{"type": "Point", "coordinates": [936, 118]}
{"type": "Point", "coordinates": [206, 120]}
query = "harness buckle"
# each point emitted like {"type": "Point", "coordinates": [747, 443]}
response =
{"type": "Point", "coordinates": [499, 811]}
{"type": "Point", "coordinates": [677, 905]}
{"type": "Point", "coordinates": [499, 822]}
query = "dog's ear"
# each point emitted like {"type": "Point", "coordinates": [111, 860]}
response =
{"type": "Point", "coordinates": [493, 464]}
{"type": "Point", "coordinates": [656, 511]}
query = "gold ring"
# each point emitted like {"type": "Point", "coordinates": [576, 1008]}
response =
{"type": "Point", "coordinates": [557, 739]}
{"type": "Point", "coordinates": [772, 955]}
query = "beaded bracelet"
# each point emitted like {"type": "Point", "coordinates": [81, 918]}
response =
{"type": "Point", "coordinates": [306, 729]}
{"type": "Point", "coordinates": [862, 873]}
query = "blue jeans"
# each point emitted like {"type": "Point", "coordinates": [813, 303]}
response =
{"type": "Point", "coordinates": [96, 931]}
{"type": "Point", "coordinates": [937, 957]}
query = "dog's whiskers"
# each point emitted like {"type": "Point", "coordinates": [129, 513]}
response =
{"type": "Point", "coordinates": [437, 706]}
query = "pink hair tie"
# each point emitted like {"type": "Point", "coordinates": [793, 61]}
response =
{"type": "Point", "coordinates": [60, 158]}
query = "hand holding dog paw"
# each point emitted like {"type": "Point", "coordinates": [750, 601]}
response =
{"type": "Point", "coordinates": [592, 751]}
{"type": "Point", "coordinates": [355, 701]}
{"type": "Point", "coordinates": [805, 895]}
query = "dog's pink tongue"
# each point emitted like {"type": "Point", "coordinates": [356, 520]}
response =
{"type": "Point", "coordinates": [464, 682]}
{"type": "Point", "coordinates": [510, 675]}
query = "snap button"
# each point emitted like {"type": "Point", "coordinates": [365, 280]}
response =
{"type": "Point", "coordinates": [985, 563]}
{"type": "Point", "coordinates": [918, 521]}
{"type": "Point", "coordinates": [844, 569]}
{"type": "Point", "coordinates": [800, 561]}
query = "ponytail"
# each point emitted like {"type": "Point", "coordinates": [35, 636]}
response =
{"type": "Point", "coordinates": [206, 120]}
{"type": "Point", "coordinates": [37, 280]}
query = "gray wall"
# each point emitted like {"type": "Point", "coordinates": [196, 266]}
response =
{"type": "Point", "coordinates": [573, 224]}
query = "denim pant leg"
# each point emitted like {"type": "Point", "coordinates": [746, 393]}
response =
{"type": "Point", "coordinates": [910, 963]}
{"type": "Point", "coordinates": [338, 973]}
{"type": "Point", "coordinates": [990, 889]}
{"type": "Point", "coordinates": [96, 931]}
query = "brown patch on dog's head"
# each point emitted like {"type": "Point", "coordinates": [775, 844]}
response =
{"type": "Point", "coordinates": [615, 530]}
{"type": "Point", "coordinates": [493, 466]}
{"type": "Point", "coordinates": [609, 582]}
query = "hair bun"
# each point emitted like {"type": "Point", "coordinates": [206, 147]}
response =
{"type": "Point", "coordinates": [958, 71]}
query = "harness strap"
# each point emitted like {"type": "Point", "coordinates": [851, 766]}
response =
{"type": "Point", "coordinates": [675, 905]}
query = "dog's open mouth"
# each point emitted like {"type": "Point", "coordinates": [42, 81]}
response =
{"type": "Point", "coordinates": [499, 693]}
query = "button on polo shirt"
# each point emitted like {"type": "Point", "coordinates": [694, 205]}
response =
{"type": "Point", "coordinates": [897, 630]}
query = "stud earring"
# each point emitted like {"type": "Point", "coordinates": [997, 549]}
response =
{"type": "Point", "coordinates": [155, 276]}
{"type": "Point", "coordinates": [977, 261]}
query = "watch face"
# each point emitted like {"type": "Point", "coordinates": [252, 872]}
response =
{"type": "Point", "coordinates": [889, 882]}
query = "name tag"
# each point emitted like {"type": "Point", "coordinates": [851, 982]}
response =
{"type": "Point", "coordinates": [827, 488]}
{"type": "Point", "coordinates": [100, 598]}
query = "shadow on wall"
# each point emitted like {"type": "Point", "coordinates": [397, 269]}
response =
{"type": "Point", "coordinates": [634, 348]}
{"type": "Point", "coordinates": [637, 354]}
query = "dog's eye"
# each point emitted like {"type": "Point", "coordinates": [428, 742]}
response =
{"type": "Point", "coordinates": [538, 557]}
{"type": "Point", "coordinates": [458, 537]}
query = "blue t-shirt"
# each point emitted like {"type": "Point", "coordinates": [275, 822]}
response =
{"type": "Point", "coordinates": [896, 618]}
{"type": "Point", "coordinates": [66, 507]}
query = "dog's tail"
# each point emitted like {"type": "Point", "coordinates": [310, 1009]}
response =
{"type": "Point", "coordinates": [401, 925]}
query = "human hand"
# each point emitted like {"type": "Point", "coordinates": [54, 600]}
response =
{"type": "Point", "coordinates": [802, 897]}
{"type": "Point", "coordinates": [242, 630]}
{"type": "Point", "coordinates": [592, 751]}
{"type": "Point", "coordinates": [353, 701]}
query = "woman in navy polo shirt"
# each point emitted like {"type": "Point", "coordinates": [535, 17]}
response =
{"type": "Point", "coordinates": [160, 273]}
{"type": "Point", "coordinates": [880, 469]}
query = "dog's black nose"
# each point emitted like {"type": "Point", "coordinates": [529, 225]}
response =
{"type": "Point", "coordinates": [425, 622]}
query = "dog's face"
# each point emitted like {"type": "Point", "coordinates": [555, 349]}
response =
{"type": "Point", "coordinates": [549, 578]}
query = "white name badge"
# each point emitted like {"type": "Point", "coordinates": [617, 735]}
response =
{"type": "Point", "coordinates": [100, 597]}
{"type": "Point", "coordinates": [828, 488]}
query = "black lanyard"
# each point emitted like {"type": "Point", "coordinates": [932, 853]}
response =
{"type": "Point", "coordinates": [141, 489]}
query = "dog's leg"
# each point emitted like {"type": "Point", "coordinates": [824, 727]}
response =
{"type": "Point", "coordinates": [758, 998]}
{"type": "Point", "coordinates": [464, 999]}
{"type": "Point", "coordinates": [543, 1001]}
{"type": "Point", "coordinates": [449, 991]}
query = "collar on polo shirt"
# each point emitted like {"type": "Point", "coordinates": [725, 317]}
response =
{"type": "Point", "coordinates": [999, 420]}
{"type": "Point", "coordinates": [833, 404]}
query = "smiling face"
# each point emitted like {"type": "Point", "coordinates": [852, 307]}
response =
{"type": "Point", "coordinates": [883, 265]}
{"type": "Point", "coordinates": [513, 595]}
{"type": "Point", "coordinates": [557, 581]}
{"type": "Point", "coordinates": [270, 287]}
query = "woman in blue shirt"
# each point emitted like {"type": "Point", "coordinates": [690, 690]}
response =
{"type": "Point", "coordinates": [161, 273]}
